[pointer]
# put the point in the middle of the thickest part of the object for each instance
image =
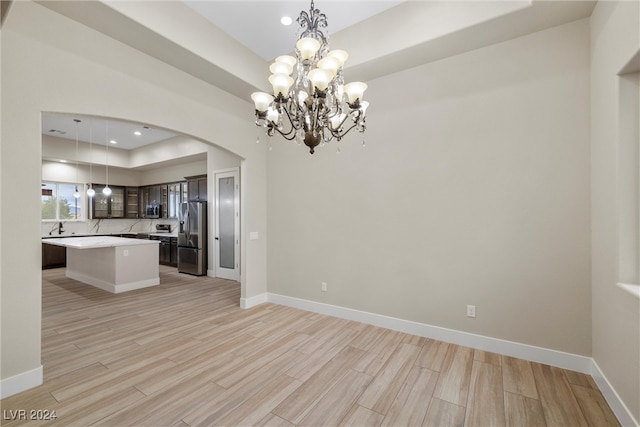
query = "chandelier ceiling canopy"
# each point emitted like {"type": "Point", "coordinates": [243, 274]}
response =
{"type": "Point", "coordinates": [312, 105]}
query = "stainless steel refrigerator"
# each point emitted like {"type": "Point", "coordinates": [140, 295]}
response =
{"type": "Point", "coordinates": [192, 238]}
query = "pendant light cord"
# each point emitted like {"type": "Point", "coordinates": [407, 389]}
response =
{"type": "Point", "coordinates": [77, 124]}
{"type": "Point", "coordinates": [91, 155]}
{"type": "Point", "coordinates": [107, 143]}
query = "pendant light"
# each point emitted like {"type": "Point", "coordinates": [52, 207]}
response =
{"type": "Point", "coordinates": [76, 193]}
{"type": "Point", "coordinates": [106, 190]}
{"type": "Point", "coordinates": [90, 191]}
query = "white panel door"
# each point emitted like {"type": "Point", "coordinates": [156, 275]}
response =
{"type": "Point", "coordinates": [227, 231]}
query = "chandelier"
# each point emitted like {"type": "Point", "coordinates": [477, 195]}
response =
{"type": "Point", "coordinates": [314, 105]}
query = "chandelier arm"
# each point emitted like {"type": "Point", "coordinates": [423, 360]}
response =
{"type": "Point", "coordinates": [294, 128]}
{"type": "Point", "coordinates": [331, 134]}
{"type": "Point", "coordinates": [346, 116]}
{"type": "Point", "coordinates": [348, 130]}
{"type": "Point", "coordinates": [336, 133]}
{"type": "Point", "coordinates": [288, 135]}
{"type": "Point", "coordinates": [358, 117]}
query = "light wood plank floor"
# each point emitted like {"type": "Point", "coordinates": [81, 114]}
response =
{"type": "Point", "coordinates": [185, 354]}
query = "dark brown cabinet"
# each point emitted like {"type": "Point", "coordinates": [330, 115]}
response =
{"type": "Point", "coordinates": [197, 188]}
{"type": "Point", "coordinates": [53, 256]}
{"type": "Point", "coordinates": [143, 201]}
{"type": "Point", "coordinates": [111, 206]}
{"type": "Point", "coordinates": [167, 250]}
{"type": "Point", "coordinates": [174, 251]}
{"type": "Point", "coordinates": [148, 196]}
{"type": "Point", "coordinates": [155, 194]}
{"type": "Point", "coordinates": [132, 202]}
{"type": "Point", "coordinates": [174, 191]}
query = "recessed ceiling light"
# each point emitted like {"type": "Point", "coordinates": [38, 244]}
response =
{"type": "Point", "coordinates": [113, 141]}
{"type": "Point", "coordinates": [137, 133]}
{"type": "Point", "coordinates": [286, 20]}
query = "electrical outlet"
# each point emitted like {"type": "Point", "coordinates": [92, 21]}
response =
{"type": "Point", "coordinates": [323, 286]}
{"type": "Point", "coordinates": [125, 252]}
{"type": "Point", "coordinates": [471, 311]}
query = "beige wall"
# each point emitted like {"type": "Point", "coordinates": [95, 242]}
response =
{"type": "Point", "coordinates": [66, 172]}
{"type": "Point", "coordinates": [173, 173]}
{"type": "Point", "coordinates": [50, 63]}
{"type": "Point", "coordinates": [473, 188]}
{"type": "Point", "coordinates": [616, 313]}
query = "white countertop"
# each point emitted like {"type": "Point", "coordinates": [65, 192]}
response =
{"type": "Point", "coordinates": [98, 242]}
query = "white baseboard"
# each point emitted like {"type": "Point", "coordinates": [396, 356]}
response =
{"type": "Point", "coordinates": [253, 301]}
{"type": "Point", "coordinates": [528, 352]}
{"type": "Point", "coordinates": [532, 353]}
{"type": "Point", "coordinates": [21, 382]}
{"type": "Point", "coordinates": [112, 287]}
{"type": "Point", "coordinates": [611, 396]}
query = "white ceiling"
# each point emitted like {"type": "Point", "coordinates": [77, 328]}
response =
{"type": "Point", "coordinates": [256, 24]}
{"type": "Point", "coordinates": [99, 130]}
{"type": "Point", "coordinates": [403, 36]}
{"type": "Point", "coordinates": [229, 44]}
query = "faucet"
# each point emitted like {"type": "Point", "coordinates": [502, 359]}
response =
{"type": "Point", "coordinates": [60, 229]}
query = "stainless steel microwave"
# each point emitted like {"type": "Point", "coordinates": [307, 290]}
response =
{"type": "Point", "coordinates": [154, 210]}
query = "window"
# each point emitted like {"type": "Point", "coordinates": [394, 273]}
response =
{"type": "Point", "coordinates": [58, 202]}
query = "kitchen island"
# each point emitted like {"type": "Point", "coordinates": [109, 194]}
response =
{"type": "Point", "coordinates": [114, 264]}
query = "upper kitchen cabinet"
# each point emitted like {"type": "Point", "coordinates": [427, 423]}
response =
{"type": "Point", "coordinates": [111, 206]}
{"type": "Point", "coordinates": [155, 195]}
{"type": "Point", "coordinates": [164, 200]}
{"type": "Point", "coordinates": [175, 191]}
{"type": "Point", "coordinates": [161, 200]}
{"type": "Point", "coordinates": [132, 202]}
{"type": "Point", "coordinates": [185, 192]}
{"type": "Point", "coordinates": [197, 188]}
{"type": "Point", "coordinates": [143, 201]}
{"type": "Point", "coordinates": [151, 201]}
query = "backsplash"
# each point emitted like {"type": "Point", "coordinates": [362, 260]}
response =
{"type": "Point", "coordinates": [106, 226]}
